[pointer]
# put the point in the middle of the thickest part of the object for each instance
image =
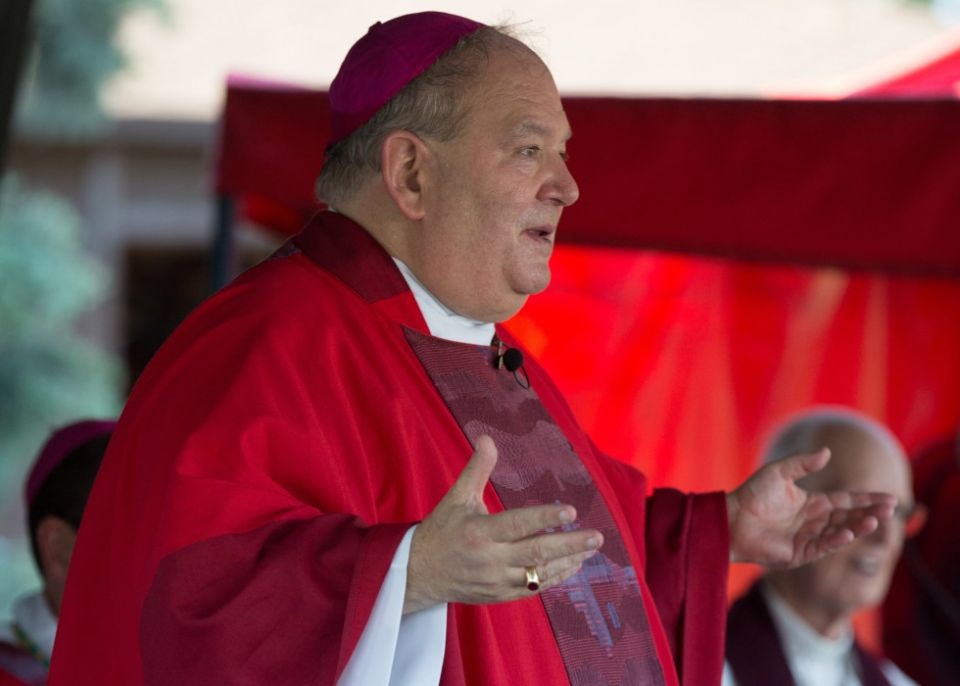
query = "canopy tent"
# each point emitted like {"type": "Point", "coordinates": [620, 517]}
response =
{"type": "Point", "coordinates": [866, 184]}
{"type": "Point", "coordinates": [815, 182]}
{"type": "Point", "coordinates": [839, 222]}
{"type": "Point", "coordinates": [938, 77]}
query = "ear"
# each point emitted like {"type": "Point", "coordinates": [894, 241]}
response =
{"type": "Point", "coordinates": [55, 539]}
{"type": "Point", "coordinates": [403, 161]}
{"type": "Point", "coordinates": [916, 520]}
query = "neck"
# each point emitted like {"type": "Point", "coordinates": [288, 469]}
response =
{"type": "Point", "coordinates": [827, 621]}
{"type": "Point", "coordinates": [441, 320]}
{"type": "Point", "coordinates": [381, 220]}
{"type": "Point", "coordinates": [402, 239]}
{"type": "Point", "coordinates": [52, 596]}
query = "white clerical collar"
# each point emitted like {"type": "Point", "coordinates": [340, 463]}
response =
{"type": "Point", "coordinates": [32, 616]}
{"type": "Point", "coordinates": [798, 636]}
{"type": "Point", "coordinates": [441, 320]}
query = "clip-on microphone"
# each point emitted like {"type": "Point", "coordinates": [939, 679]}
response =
{"type": "Point", "coordinates": [512, 359]}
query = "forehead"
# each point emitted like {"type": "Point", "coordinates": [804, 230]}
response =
{"type": "Point", "coordinates": [515, 95]}
{"type": "Point", "coordinates": [865, 461]}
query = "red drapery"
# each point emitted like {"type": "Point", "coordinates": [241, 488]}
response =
{"type": "Point", "coordinates": [682, 365]}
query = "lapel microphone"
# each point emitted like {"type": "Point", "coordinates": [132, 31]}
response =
{"type": "Point", "coordinates": [511, 359]}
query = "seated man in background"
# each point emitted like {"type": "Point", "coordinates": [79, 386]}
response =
{"type": "Point", "coordinates": [56, 494]}
{"type": "Point", "coordinates": [795, 626]}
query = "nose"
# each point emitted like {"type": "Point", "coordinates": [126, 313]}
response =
{"type": "Point", "coordinates": [560, 187]}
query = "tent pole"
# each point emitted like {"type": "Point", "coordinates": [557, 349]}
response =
{"type": "Point", "coordinates": [14, 39]}
{"type": "Point", "coordinates": [223, 252]}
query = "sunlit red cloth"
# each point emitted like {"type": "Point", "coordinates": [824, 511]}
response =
{"type": "Point", "coordinates": [938, 78]}
{"type": "Point", "coordinates": [680, 365]}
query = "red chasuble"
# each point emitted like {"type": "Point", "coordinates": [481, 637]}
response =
{"type": "Point", "coordinates": [278, 447]}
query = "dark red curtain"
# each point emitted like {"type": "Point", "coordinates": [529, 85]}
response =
{"type": "Point", "coordinates": [861, 183]}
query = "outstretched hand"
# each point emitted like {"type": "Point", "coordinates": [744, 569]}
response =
{"type": "Point", "coordinates": [461, 553]}
{"type": "Point", "coordinates": [776, 523]}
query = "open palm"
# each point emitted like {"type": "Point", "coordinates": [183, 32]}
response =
{"type": "Point", "coordinates": [776, 523]}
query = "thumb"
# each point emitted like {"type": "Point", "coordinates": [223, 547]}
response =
{"type": "Point", "coordinates": [799, 466]}
{"type": "Point", "coordinates": [468, 488]}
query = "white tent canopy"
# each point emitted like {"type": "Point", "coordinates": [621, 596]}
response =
{"type": "Point", "coordinates": [735, 47]}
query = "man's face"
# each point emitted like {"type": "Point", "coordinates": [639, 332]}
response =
{"type": "Point", "coordinates": [858, 575]}
{"type": "Point", "coordinates": [496, 193]}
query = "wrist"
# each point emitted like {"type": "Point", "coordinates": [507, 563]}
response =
{"type": "Point", "coordinates": [416, 597]}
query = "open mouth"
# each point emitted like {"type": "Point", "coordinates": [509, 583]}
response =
{"type": "Point", "coordinates": [541, 233]}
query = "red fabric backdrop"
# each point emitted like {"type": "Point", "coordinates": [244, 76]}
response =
{"type": "Point", "coordinates": [679, 364]}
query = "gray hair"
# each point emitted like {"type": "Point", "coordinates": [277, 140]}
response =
{"type": "Point", "coordinates": [803, 433]}
{"type": "Point", "coordinates": [431, 105]}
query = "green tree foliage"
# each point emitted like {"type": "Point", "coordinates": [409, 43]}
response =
{"type": "Point", "coordinates": [74, 54]}
{"type": "Point", "coordinates": [48, 373]}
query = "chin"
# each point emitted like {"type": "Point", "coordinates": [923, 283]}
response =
{"type": "Point", "coordinates": [515, 307]}
{"type": "Point", "coordinates": [534, 282]}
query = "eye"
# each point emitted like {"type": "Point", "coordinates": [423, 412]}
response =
{"type": "Point", "coordinates": [529, 151]}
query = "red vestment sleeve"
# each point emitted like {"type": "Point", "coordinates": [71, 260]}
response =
{"type": "Point", "coordinates": [223, 542]}
{"type": "Point", "coordinates": [688, 558]}
{"type": "Point", "coordinates": [265, 589]}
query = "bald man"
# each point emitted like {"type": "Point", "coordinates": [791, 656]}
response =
{"type": "Point", "coordinates": [795, 625]}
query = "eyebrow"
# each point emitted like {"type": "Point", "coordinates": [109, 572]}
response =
{"type": "Point", "coordinates": [528, 127]}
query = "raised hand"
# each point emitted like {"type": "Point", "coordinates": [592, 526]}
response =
{"type": "Point", "coordinates": [461, 553]}
{"type": "Point", "coordinates": [776, 523]}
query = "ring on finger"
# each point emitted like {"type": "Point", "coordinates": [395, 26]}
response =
{"type": "Point", "coordinates": [531, 578]}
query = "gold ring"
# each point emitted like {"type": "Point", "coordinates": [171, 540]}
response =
{"type": "Point", "coordinates": [532, 578]}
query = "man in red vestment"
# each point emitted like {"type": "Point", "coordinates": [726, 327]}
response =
{"type": "Point", "coordinates": [340, 469]}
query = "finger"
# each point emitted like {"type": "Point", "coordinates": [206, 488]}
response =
{"type": "Point", "coordinates": [799, 466]}
{"type": "Point", "coordinates": [884, 503]}
{"type": "Point", "coordinates": [838, 535]}
{"type": "Point", "coordinates": [859, 521]}
{"type": "Point", "coordinates": [515, 525]}
{"type": "Point", "coordinates": [829, 541]}
{"type": "Point", "coordinates": [542, 549]}
{"type": "Point", "coordinates": [468, 488]}
{"type": "Point", "coordinates": [559, 570]}
{"type": "Point", "coordinates": [861, 526]}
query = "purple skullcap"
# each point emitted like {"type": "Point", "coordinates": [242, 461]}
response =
{"type": "Point", "coordinates": [385, 60]}
{"type": "Point", "coordinates": [61, 443]}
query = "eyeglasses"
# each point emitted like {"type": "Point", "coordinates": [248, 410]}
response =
{"type": "Point", "coordinates": [912, 517]}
